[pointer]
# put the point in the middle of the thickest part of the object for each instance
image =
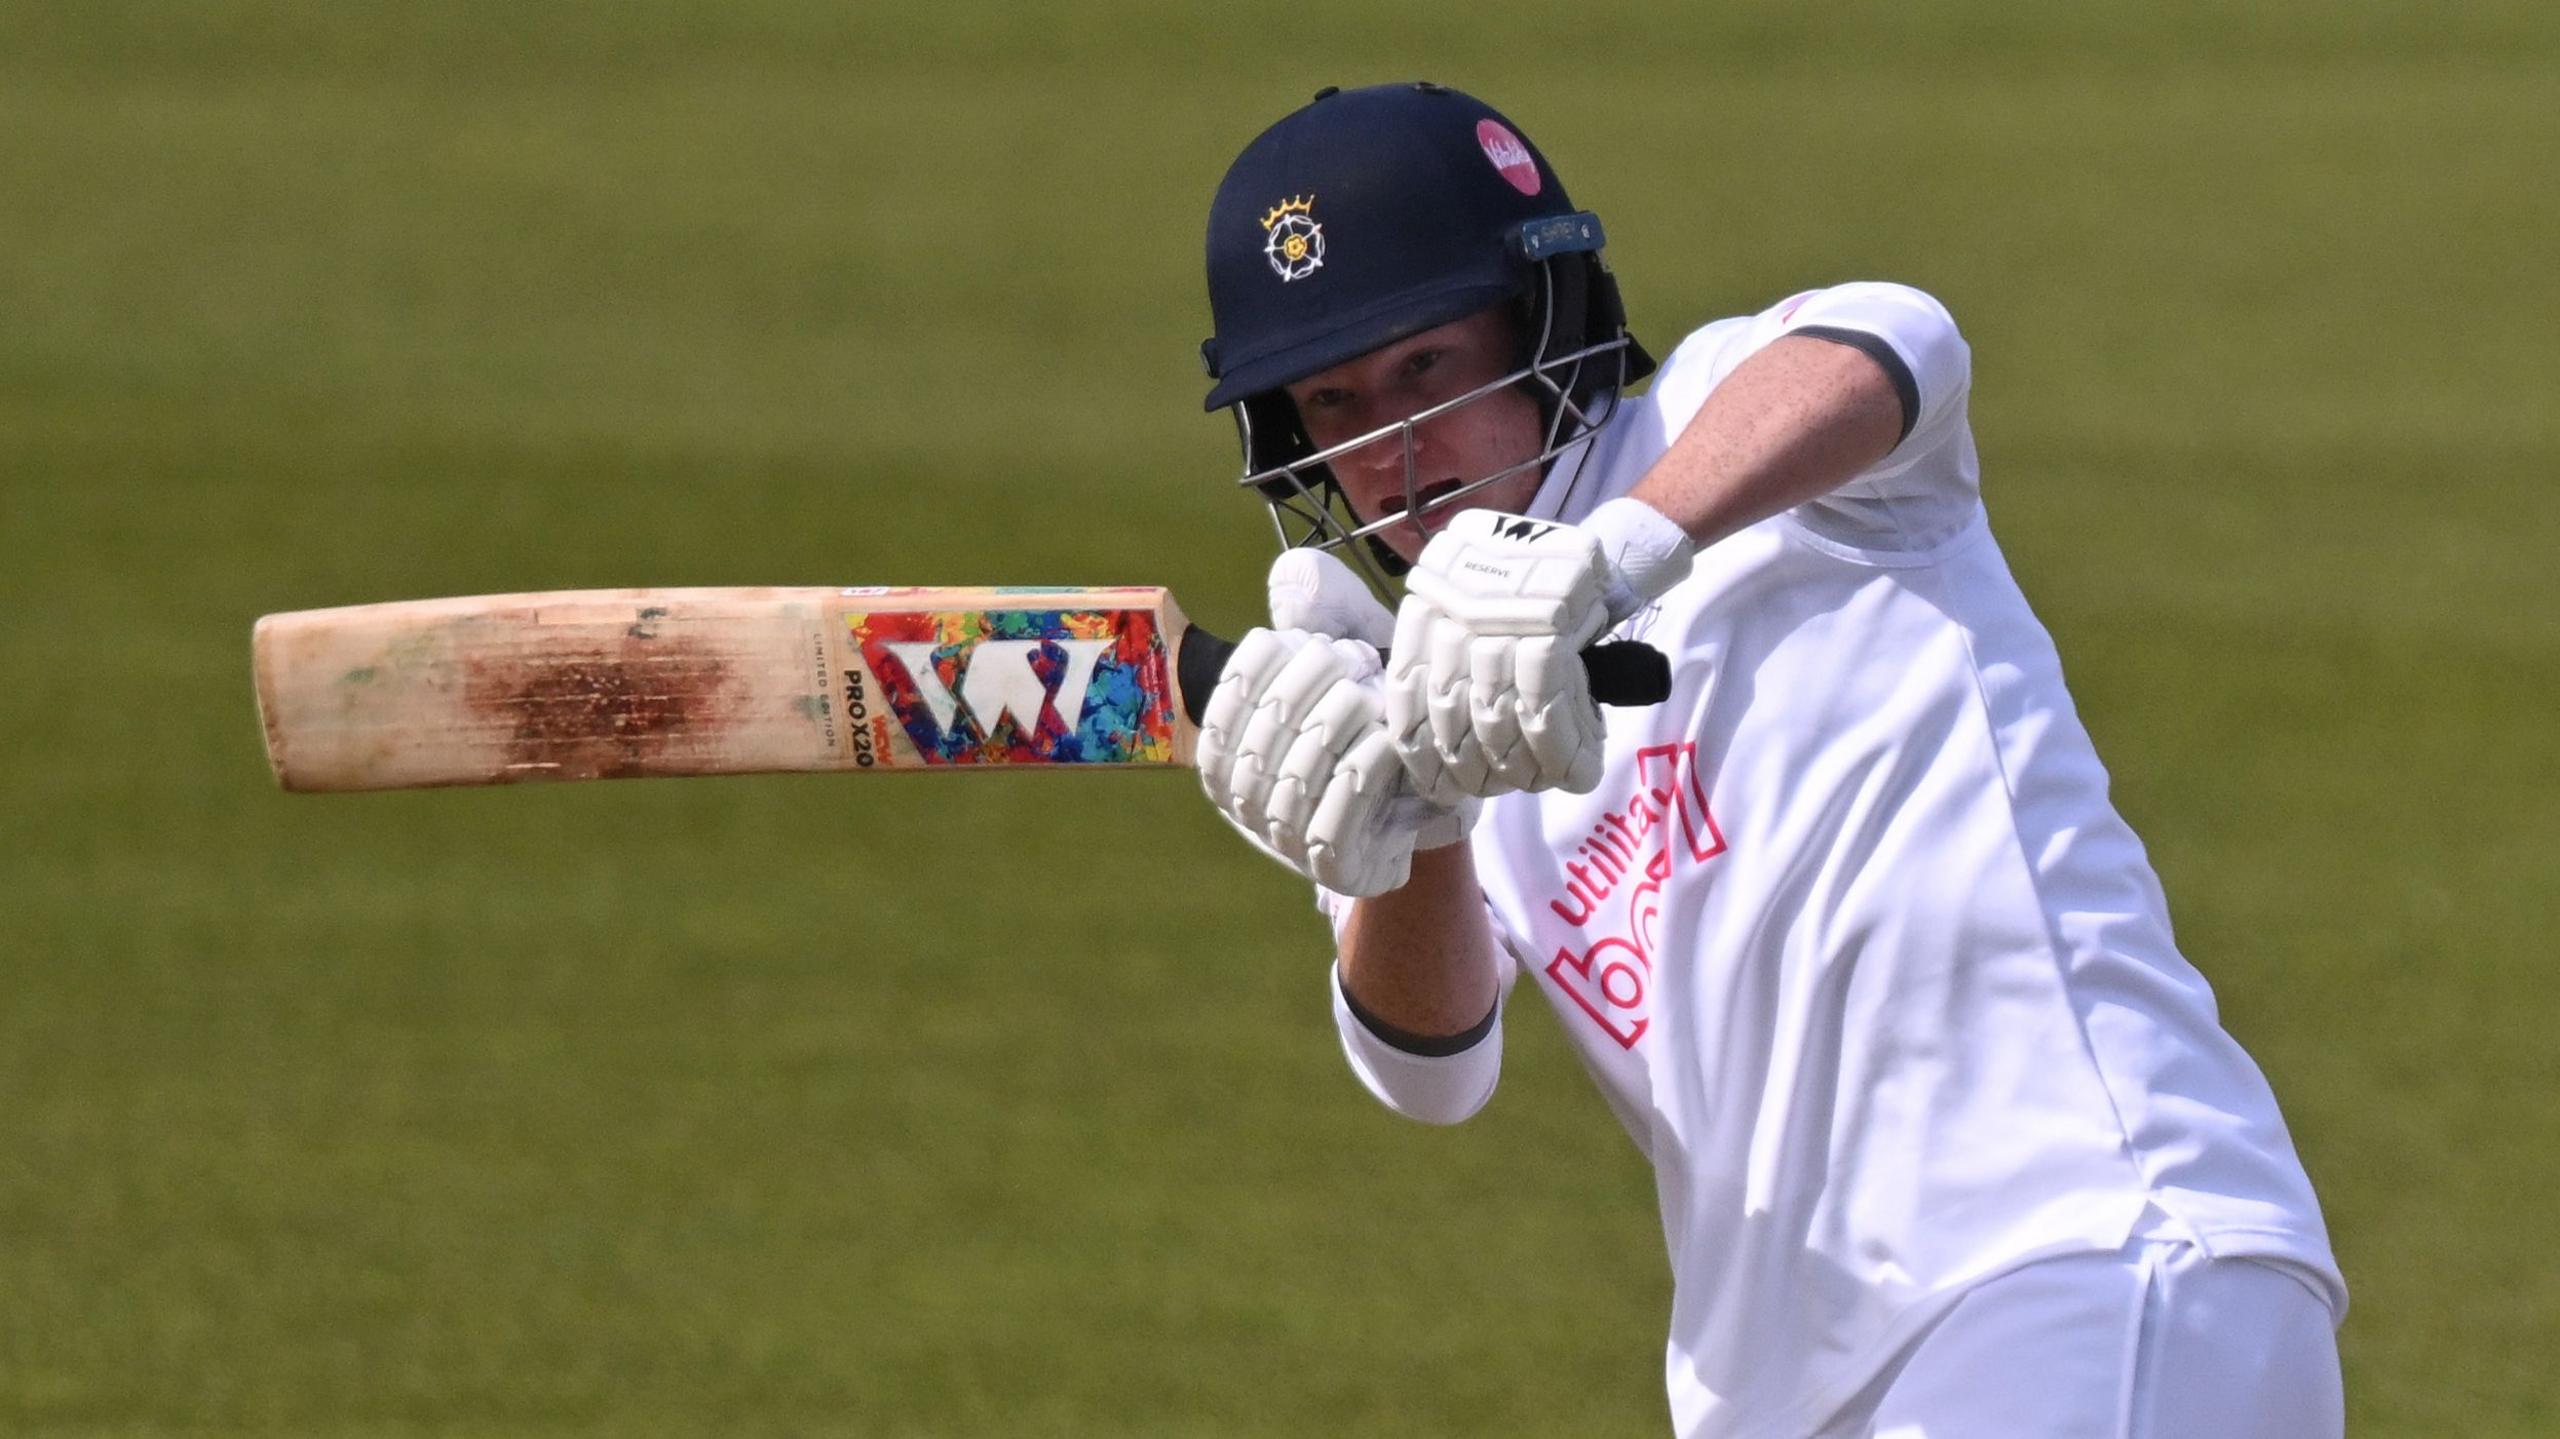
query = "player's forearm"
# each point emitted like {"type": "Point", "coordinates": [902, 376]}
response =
{"type": "Point", "coordinates": [1791, 424]}
{"type": "Point", "coordinates": [1421, 958]}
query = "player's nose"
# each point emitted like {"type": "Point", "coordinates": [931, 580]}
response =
{"type": "Point", "coordinates": [1381, 461]}
{"type": "Point", "coordinates": [1376, 474]}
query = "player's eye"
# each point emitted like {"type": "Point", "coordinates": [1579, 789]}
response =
{"type": "Point", "coordinates": [1328, 399]}
{"type": "Point", "coordinates": [1421, 361]}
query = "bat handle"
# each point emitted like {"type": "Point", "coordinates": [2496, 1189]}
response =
{"type": "Point", "coordinates": [1626, 673]}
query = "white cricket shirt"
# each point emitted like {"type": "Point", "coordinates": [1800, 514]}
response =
{"type": "Point", "coordinates": [1850, 936]}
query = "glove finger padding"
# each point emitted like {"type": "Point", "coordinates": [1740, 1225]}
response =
{"type": "Point", "coordinates": [1444, 700]}
{"type": "Point", "coordinates": [1248, 672]}
{"type": "Point", "coordinates": [1433, 782]}
{"type": "Point", "coordinates": [1437, 776]}
{"type": "Point", "coordinates": [1277, 717]}
{"type": "Point", "coordinates": [1307, 771]}
{"type": "Point", "coordinates": [1353, 847]}
{"type": "Point", "coordinates": [1403, 687]}
{"type": "Point", "coordinates": [1493, 713]}
{"type": "Point", "coordinates": [1560, 726]}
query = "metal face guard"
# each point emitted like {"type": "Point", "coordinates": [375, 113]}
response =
{"type": "Point", "coordinates": [1321, 515]}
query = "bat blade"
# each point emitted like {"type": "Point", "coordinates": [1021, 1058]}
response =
{"type": "Point", "coordinates": [616, 684]}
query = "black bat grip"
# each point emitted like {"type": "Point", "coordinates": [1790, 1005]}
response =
{"type": "Point", "coordinates": [1627, 673]}
{"type": "Point", "coordinates": [1196, 667]}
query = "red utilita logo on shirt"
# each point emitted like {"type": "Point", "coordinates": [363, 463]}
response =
{"type": "Point", "coordinates": [1509, 156]}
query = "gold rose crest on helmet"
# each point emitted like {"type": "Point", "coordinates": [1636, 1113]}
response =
{"type": "Point", "coordinates": [1291, 238]}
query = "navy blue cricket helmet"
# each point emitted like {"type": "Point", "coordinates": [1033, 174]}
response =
{"type": "Point", "coordinates": [1369, 215]}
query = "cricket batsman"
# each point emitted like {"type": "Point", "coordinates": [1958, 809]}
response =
{"type": "Point", "coordinates": [1947, 1137]}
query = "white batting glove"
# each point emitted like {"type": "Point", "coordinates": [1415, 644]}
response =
{"type": "Point", "coordinates": [1293, 744]}
{"type": "Point", "coordinates": [1315, 590]}
{"type": "Point", "coordinates": [1486, 692]}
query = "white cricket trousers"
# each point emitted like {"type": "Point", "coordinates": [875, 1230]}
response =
{"type": "Point", "coordinates": [2156, 1342]}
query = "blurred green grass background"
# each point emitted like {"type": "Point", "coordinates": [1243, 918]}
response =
{"type": "Point", "coordinates": [816, 1106]}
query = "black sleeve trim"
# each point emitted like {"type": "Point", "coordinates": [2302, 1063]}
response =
{"type": "Point", "coordinates": [1427, 1046]}
{"type": "Point", "coordinates": [1874, 348]}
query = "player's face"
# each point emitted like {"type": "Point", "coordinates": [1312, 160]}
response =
{"type": "Point", "coordinates": [1398, 381]}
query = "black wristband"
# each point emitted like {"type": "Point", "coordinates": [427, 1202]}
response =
{"type": "Point", "coordinates": [1426, 1046]}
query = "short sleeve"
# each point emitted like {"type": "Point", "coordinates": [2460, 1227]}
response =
{"type": "Point", "coordinates": [1434, 1088]}
{"type": "Point", "coordinates": [1927, 489]}
{"type": "Point", "coordinates": [1910, 335]}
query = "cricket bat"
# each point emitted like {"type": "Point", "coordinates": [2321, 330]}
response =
{"type": "Point", "coordinates": [618, 684]}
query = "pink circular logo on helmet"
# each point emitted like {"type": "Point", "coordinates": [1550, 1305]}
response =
{"type": "Point", "coordinates": [1509, 156]}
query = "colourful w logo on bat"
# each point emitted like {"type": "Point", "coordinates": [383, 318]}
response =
{"type": "Point", "coordinates": [1010, 686]}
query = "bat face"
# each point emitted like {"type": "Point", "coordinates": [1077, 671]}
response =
{"type": "Point", "coordinates": [607, 684]}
